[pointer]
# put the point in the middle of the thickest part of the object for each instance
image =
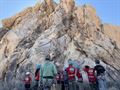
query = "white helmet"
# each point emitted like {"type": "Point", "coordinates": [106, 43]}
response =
{"type": "Point", "coordinates": [27, 73]}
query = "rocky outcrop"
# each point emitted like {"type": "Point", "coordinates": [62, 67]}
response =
{"type": "Point", "coordinates": [113, 32]}
{"type": "Point", "coordinates": [78, 36]}
{"type": "Point", "coordinates": [15, 20]}
{"type": "Point", "coordinates": [3, 31]}
{"type": "Point", "coordinates": [68, 5]}
{"type": "Point", "coordinates": [44, 8]}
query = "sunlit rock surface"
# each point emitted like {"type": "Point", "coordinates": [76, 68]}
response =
{"type": "Point", "coordinates": [64, 31]}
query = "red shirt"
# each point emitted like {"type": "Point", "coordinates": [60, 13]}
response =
{"type": "Point", "coordinates": [91, 75]}
{"type": "Point", "coordinates": [37, 77]}
{"type": "Point", "coordinates": [79, 75]}
{"type": "Point", "coordinates": [27, 80]}
{"type": "Point", "coordinates": [71, 72]}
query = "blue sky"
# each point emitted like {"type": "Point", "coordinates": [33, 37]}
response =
{"type": "Point", "coordinates": [107, 10]}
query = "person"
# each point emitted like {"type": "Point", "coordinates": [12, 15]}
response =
{"type": "Point", "coordinates": [37, 76]}
{"type": "Point", "coordinates": [71, 72]}
{"type": "Point", "coordinates": [79, 77]}
{"type": "Point", "coordinates": [60, 77]}
{"type": "Point", "coordinates": [99, 71]}
{"type": "Point", "coordinates": [60, 82]}
{"type": "Point", "coordinates": [65, 80]}
{"type": "Point", "coordinates": [48, 72]}
{"type": "Point", "coordinates": [91, 77]}
{"type": "Point", "coordinates": [27, 81]}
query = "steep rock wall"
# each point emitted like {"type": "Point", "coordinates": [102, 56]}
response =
{"type": "Point", "coordinates": [78, 36]}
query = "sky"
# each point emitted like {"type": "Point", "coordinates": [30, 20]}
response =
{"type": "Point", "coordinates": [107, 10]}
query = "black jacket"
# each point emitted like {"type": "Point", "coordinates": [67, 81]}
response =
{"type": "Point", "coordinates": [99, 69]}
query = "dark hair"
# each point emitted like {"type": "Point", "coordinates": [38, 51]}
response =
{"type": "Point", "coordinates": [47, 57]}
{"type": "Point", "coordinates": [37, 71]}
{"type": "Point", "coordinates": [97, 61]}
{"type": "Point", "coordinates": [87, 66]}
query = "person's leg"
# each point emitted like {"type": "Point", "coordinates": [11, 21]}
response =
{"type": "Point", "coordinates": [66, 84]}
{"type": "Point", "coordinates": [74, 85]}
{"type": "Point", "coordinates": [97, 85]}
{"type": "Point", "coordinates": [36, 85]}
{"type": "Point", "coordinates": [45, 84]}
{"type": "Point", "coordinates": [27, 86]}
{"type": "Point", "coordinates": [92, 86]}
{"type": "Point", "coordinates": [50, 84]}
{"type": "Point", "coordinates": [62, 85]}
{"type": "Point", "coordinates": [104, 85]}
{"type": "Point", "coordinates": [58, 86]}
{"type": "Point", "coordinates": [70, 85]}
{"type": "Point", "coordinates": [77, 86]}
{"type": "Point", "coordinates": [86, 86]}
{"type": "Point", "coordinates": [101, 84]}
{"type": "Point", "coordinates": [80, 86]}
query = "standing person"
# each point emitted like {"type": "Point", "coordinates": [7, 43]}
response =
{"type": "Point", "coordinates": [71, 72]}
{"type": "Point", "coordinates": [59, 79]}
{"type": "Point", "coordinates": [79, 78]}
{"type": "Point", "coordinates": [65, 80]}
{"type": "Point", "coordinates": [91, 77]}
{"type": "Point", "coordinates": [37, 76]}
{"type": "Point", "coordinates": [27, 81]}
{"type": "Point", "coordinates": [85, 80]}
{"type": "Point", "coordinates": [100, 73]}
{"type": "Point", "coordinates": [48, 72]}
{"type": "Point", "coordinates": [79, 82]}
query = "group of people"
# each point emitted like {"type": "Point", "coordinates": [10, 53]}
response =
{"type": "Point", "coordinates": [50, 76]}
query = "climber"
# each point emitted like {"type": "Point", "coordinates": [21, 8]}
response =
{"type": "Point", "coordinates": [60, 80]}
{"type": "Point", "coordinates": [99, 71]}
{"type": "Point", "coordinates": [65, 80]}
{"type": "Point", "coordinates": [71, 71]}
{"type": "Point", "coordinates": [37, 76]}
{"type": "Point", "coordinates": [79, 78]}
{"type": "Point", "coordinates": [91, 77]}
{"type": "Point", "coordinates": [48, 72]}
{"type": "Point", "coordinates": [27, 81]}
{"type": "Point", "coordinates": [59, 77]}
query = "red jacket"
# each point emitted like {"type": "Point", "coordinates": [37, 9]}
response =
{"type": "Point", "coordinates": [79, 75]}
{"type": "Point", "coordinates": [27, 80]}
{"type": "Point", "coordinates": [71, 72]}
{"type": "Point", "coordinates": [91, 75]}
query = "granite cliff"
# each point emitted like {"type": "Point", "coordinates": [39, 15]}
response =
{"type": "Point", "coordinates": [62, 30]}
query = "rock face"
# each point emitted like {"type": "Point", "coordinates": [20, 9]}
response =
{"type": "Point", "coordinates": [36, 32]}
{"type": "Point", "coordinates": [113, 32]}
{"type": "Point", "coordinates": [68, 5]}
